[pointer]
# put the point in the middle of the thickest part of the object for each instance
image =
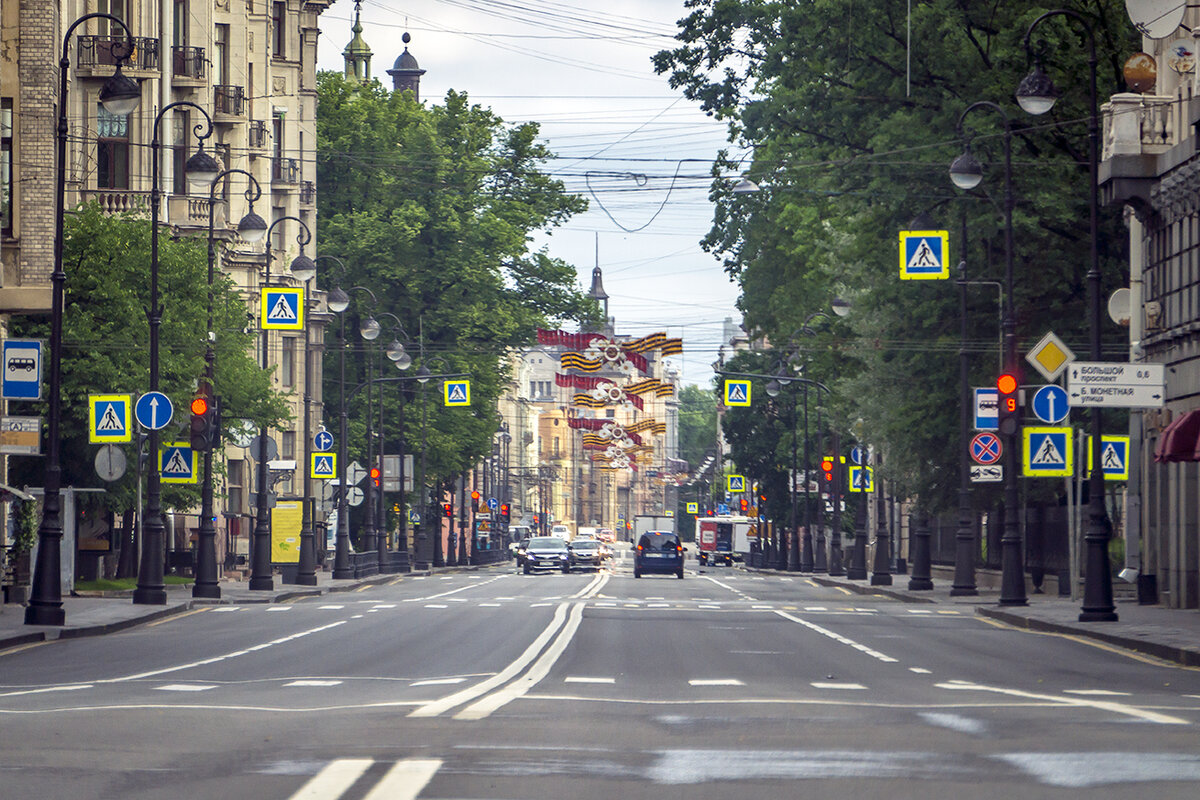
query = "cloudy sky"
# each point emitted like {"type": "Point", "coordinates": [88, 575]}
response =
{"type": "Point", "coordinates": [624, 139]}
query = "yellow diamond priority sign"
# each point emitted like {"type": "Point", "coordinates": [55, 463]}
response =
{"type": "Point", "coordinates": [1050, 356]}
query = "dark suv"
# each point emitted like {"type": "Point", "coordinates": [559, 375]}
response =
{"type": "Point", "coordinates": [658, 551]}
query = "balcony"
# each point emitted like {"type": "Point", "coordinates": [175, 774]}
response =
{"type": "Point", "coordinates": [187, 66]}
{"type": "Point", "coordinates": [1143, 124]}
{"type": "Point", "coordinates": [229, 103]}
{"type": "Point", "coordinates": [285, 171]}
{"type": "Point", "coordinates": [119, 201]}
{"type": "Point", "coordinates": [257, 135]}
{"type": "Point", "coordinates": [98, 56]}
{"type": "Point", "coordinates": [308, 192]}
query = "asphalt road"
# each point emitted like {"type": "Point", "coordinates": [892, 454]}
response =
{"type": "Point", "coordinates": [502, 686]}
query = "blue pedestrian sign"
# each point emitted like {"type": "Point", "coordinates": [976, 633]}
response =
{"type": "Point", "coordinates": [457, 393]}
{"type": "Point", "coordinates": [1050, 404]}
{"type": "Point", "coordinates": [282, 308]}
{"type": "Point", "coordinates": [1048, 452]}
{"type": "Point", "coordinates": [735, 483]}
{"type": "Point", "coordinates": [153, 411]}
{"type": "Point", "coordinates": [862, 479]}
{"type": "Point", "coordinates": [722, 509]}
{"type": "Point", "coordinates": [323, 441]}
{"type": "Point", "coordinates": [1114, 457]}
{"type": "Point", "coordinates": [323, 466]}
{"type": "Point", "coordinates": [737, 393]}
{"type": "Point", "coordinates": [924, 255]}
{"type": "Point", "coordinates": [414, 517]}
{"type": "Point", "coordinates": [987, 409]}
{"type": "Point", "coordinates": [109, 418]}
{"type": "Point", "coordinates": [22, 376]}
{"type": "Point", "coordinates": [177, 463]}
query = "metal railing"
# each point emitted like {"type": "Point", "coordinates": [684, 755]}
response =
{"type": "Point", "coordinates": [188, 62]}
{"type": "Point", "coordinates": [120, 201]}
{"type": "Point", "coordinates": [308, 192]}
{"type": "Point", "coordinates": [229, 100]}
{"type": "Point", "coordinates": [285, 170]}
{"type": "Point", "coordinates": [257, 133]}
{"type": "Point", "coordinates": [107, 51]}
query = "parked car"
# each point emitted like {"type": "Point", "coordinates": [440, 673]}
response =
{"type": "Point", "coordinates": [546, 552]}
{"type": "Point", "coordinates": [658, 552]}
{"type": "Point", "coordinates": [586, 554]}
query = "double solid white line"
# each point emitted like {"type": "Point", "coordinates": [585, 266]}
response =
{"type": "Point", "coordinates": [509, 684]}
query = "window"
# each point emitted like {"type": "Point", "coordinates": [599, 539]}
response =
{"type": "Point", "coordinates": [287, 361]}
{"type": "Point", "coordinates": [278, 23]}
{"type": "Point", "coordinates": [221, 56]}
{"type": "Point", "coordinates": [119, 9]}
{"type": "Point", "coordinates": [234, 484]}
{"type": "Point", "coordinates": [6, 165]}
{"type": "Point", "coordinates": [179, 154]}
{"type": "Point", "coordinates": [112, 153]}
{"type": "Point", "coordinates": [180, 35]}
{"type": "Point", "coordinates": [611, 413]}
{"type": "Point", "coordinates": [533, 388]}
{"type": "Point", "coordinates": [556, 450]}
{"type": "Point", "coordinates": [289, 445]}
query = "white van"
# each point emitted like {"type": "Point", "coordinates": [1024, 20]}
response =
{"type": "Point", "coordinates": [561, 531]}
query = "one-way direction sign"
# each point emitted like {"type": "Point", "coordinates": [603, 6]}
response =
{"type": "Point", "coordinates": [1116, 384]}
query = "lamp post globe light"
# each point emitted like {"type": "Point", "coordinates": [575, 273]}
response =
{"type": "Point", "coordinates": [201, 169]}
{"type": "Point", "coordinates": [967, 173]}
{"type": "Point", "coordinates": [261, 578]}
{"type": "Point", "coordinates": [338, 301]}
{"type": "Point", "coordinates": [1036, 95]}
{"type": "Point", "coordinates": [251, 228]}
{"type": "Point", "coordinates": [400, 358]}
{"type": "Point", "coordinates": [120, 95]}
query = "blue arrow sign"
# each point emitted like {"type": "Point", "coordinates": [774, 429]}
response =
{"type": "Point", "coordinates": [153, 411]}
{"type": "Point", "coordinates": [323, 441]}
{"type": "Point", "coordinates": [1050, 404]}
{"type": "Point", "coordinates": [856, 455]}
{"type": "Point", "coordinates": [492, 504]}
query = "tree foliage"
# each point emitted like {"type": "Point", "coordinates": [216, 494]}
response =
{"type": "Point", "coordinates": [105, 344]}
{"type": "Point", "coordinates": [849, 123]}
{"type": "Point", "coordinates": [432, 209]}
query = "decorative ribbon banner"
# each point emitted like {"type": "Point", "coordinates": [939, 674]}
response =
{"type": "Point", "coordinates": [600, 398]}
{"type": "Point", "coordinates": [655, 341]}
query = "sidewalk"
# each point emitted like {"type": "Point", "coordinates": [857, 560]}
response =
{"type": "Point", "coordinates": [108, 613]}
{"type": "Point", "coordinates": [1166, 633]}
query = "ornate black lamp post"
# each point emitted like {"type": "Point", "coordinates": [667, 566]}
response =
{"type": "Point", "coordinates": [338, 301]}
{"type": "Point", "coordinates": [303, 268]}
{"type": "Point", "coordinates": [1036, 95]}
{"type": "Point", "coordinates": [120, 95]}
{"type": "Point", "coordinates": [251, 228]}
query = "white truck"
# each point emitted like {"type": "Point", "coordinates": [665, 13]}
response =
{"type": "Point", "coordinates": [650, 522]}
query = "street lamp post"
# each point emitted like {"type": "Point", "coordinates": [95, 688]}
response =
{"type": "Point", "coordinates": [303, 268]}
{"type": "Point", "coordinates": [964, 536]}
{"type": "Point", "coordinates": [837, 566]}
{"type": "Point", "coordinates": [881, 572]}
{"type": "Point", "coordinates": [1036, 95]}
{"type": "Point", "coordinates": [966, 172]}
{"type": "Point", "coordinates": [338, 302]}
{"type": "Point", "coordinates": [119, 95]}
{"type": "Point", "coordinates": [399, 357]}
{"type": "Point", "coordinates": [251, 228]}
{"type": "Point", "coordinates": [200, 168]}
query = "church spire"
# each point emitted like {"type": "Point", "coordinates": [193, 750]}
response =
{"type": "Point", "coordinates": [357, 54]}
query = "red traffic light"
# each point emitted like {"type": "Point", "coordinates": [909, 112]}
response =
{"type": "Point", "coordinates": [1007, 384]}
{"type": "Point", "coordinates": [375, 476]}
{"type": "Point", "coordinates": [475, 496]}
{"type": "Point", "coordinates": [200, 406]}
{"type": "Point", "coordinates": [448, 509]}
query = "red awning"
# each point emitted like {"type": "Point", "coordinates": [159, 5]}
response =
{"type": "Point", "coordinates": [1180, 441]}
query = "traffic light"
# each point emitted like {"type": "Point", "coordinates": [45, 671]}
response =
{"type": "Point", "coordinates": [448, 510]}
{"type": "Point", "coordinates": [375, 477]}
{"type": "Point", "coordinates": [202, 425]}
{"type": "Point", "coordinates": [745, 506]}
{"type": "Point", "coordinates": [827, 469]}
{"type": "Point", "coordinates": [1009, 407]}
{"type": "Point", "coordinates": [504, 512]}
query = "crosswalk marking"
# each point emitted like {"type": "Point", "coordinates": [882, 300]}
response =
{"type": "Point", "coordinates": [405, 780]}
{"type": "Point", "coordinates": [334, 779]}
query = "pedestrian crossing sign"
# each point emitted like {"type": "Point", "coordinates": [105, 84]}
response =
{"type": "Point", "coordinates": [457, 393]}
{"type": "Point", "coordinates": [862, 479]}
{"type": "Point", "coordinates": [924, 255]}
{"type": "Point", "coordinates": [177, 463]}
{"type": "Point", "coordinates": [1047, 452]}
{"type": "Point", "coordinates": [282, 308]}
{"type": "Point", "coordinates": [693, 508]}
{"type": "Point", "coordinates": [737, 393]}
{"type": "Point", "coordinates": [109, 418]}
{"type": "Point", "coordinates": [1114, 457]}
{"type": "Point", "coordinates": [735, 483]}
{"type": "Point", "coordinates": [323, 466]}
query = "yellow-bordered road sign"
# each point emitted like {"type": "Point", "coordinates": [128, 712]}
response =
{"type": "Point", "coordinates": [282, 308]}
{"type": "Point", "coordinates": [862, 479]}
{"type": "Point", "coordinates": [323, 466]}
{"type": "Point", "coordinates": [924, 255]}
{"type": "Point", "coordinates": [693, 508]}
{"type": "Point", "coordinates": [457, 393]}
{"type": "Point", "coordinates": [1114, 458]}
{"type": "Point", "coordinates": [177, 463]}
{"type": "Point", "coordinates": [737, 392]}
{"type": "Point", "coordinates": [735, 483]}
{"type": "Point", "coordinates": [109, 418]}
{"type": "Point", "coordinates": [1047, 452]}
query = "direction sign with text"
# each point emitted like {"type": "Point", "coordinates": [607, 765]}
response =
{"type": "Point", "coordinates": [1116, 384]}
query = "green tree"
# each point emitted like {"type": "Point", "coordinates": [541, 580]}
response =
{"type": "Point", "coordinates": [432, 208]}
{"type": "Point", "coordinates": [848, 123]}
{"type": "Point", "coordinates": [697, 424]}
{"type": "Point", "coordinates": [105, 342]}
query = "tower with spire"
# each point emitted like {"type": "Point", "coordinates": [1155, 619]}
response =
{"type": "Point", "coordinates": [406, 72]}
{"type": "Point", "coordinates": [357, 54]}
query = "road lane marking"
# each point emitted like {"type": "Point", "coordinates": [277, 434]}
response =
{"type": "Point", "coordinates": [435, 605]}
{"type": "Point", "coordinates": [330, 608]}
{"type": "Point", "coordinates": [313, 683]}
{"type": "Point", "coordinates": [1097, 692]}
{"type": "Point", "coordinates": [183, 687]}
{"type": "Point", "coordinates": [438, 682]}
{"type": "Point", "coordinates": [837, 637]}
{"type": "Point", "coordinates": [658, 605]}
{"type": "Point", "coordinates": [816, 608]}
{"type": "Point", "coordinates": [174, 617]}
{"type": "Point", "coordinates": [920, 670]}
{"type": "Point", "coordinates": [579, 679]}
{"type": "Point", "coordinates": [406, 779]}
{"type": "Point", "coordinates": [383, 606]}
{"type": "Point", "coordinates": [843, 590]}
{"type": "Point", "coordinates": [489, 605]}
{"type": "Point", "coordinates": [540, 669]}
{"type": "Point", "coordinates": [334, 779]}
{"type": "Point", "coordinates": [280, 608]}
{"type": "Point", "coordinates": [828, 685]}
{"type": "Point", "coordinates": [708, 605]}
{"type": "Point", "coordinates": [452, 591]}
{"type": "Point", "coordinates": [1101, 705]}
{"type": "Point", "coordinates": [715, 682]}
{"type": "Point", "coordinates": [444, 704]}
{"type": "Point", "coordinates": [225, 609]}
{"type": "Point", "coordinates": [48, 689]}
